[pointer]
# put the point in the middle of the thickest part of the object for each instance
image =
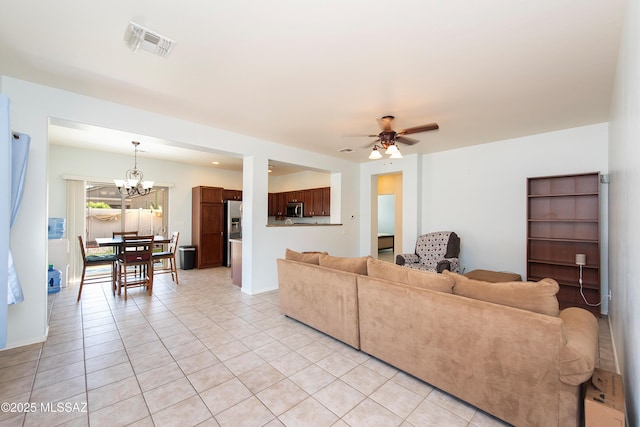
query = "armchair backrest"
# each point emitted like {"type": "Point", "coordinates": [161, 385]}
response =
{"type": "Point", "coordinates": [434, 247]}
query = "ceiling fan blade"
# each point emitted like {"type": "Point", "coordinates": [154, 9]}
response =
{"type": "Point", "coordinates": [371, 144]}
{"type": "Point", "coordinates": [417, 129]}
{"type": "Point", "coordinates": [359, 135]}
{"type": "Point", "coordinates": [407, 140]}
{"type": "Point", "coordinates": [385, 123]}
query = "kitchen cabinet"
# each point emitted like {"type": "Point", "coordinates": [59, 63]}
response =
{"type": "Point", "coordinates": [295, 196]}
{"type": "Point", "coordinates": [207, 225]}
{"type": "Point", "coordinates": [308, 203]}
{"type": "Point", "coordinates": [563, 221]}
{"type": "Point", "coordinates": [232, 194]}
{"type": "Point", "coordinates": [277, 205]}
{"type": "Point", "coordinates": [326, 201]}
{"type": "Point", "coordinates": [272, 204]}
{"type": "Point", "coordinates": [317, 202]}
{"type": "Point", "coordinates": [281, 205]}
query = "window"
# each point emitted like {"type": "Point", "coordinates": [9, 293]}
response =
{"type": "Point", "coordinates": [108, 211]}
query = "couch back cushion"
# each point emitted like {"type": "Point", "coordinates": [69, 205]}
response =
{"type": "Point", "coordinates": [420, 279]}
{"type": "Point", "coordinates": [308, 257]}
{"type": "Point", "coordinates": [539, 297]}
{"type": "Point", "coordinates": [352, 265]}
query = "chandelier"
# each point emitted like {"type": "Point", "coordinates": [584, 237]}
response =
{"type": "Point", "coordinates": [134, 184]}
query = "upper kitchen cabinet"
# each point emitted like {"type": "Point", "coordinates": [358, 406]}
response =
{"type": "Point", "coordinates": [208, 194]}
{"type": "Point", "coordinates": [232, 194]}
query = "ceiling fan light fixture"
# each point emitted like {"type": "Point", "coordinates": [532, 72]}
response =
{"type": "Point", "coordinates": [396, 155]}
{"type": "Point", "coordinates": [375, 154]}
{"type": "Point", "coordinates": [392, 149]}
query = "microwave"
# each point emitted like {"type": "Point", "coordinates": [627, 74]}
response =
{"type": "Point", "coordinates": [295, 209]}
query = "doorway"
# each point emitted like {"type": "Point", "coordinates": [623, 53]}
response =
{"type": "Point", "coordinates": [388, 223]}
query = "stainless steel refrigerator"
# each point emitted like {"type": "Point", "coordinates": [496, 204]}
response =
{"type": "Point", "coordinates": [232, 227]}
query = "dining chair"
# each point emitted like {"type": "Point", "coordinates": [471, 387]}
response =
{"type": "Point", "coordinates": [124, 233]}
{"type": "Point", "coordinates": [135, 263]}
{"type": "Point", "coordinates": [170, 256]}
{"type": "Point", "coordinates": [94, 261]}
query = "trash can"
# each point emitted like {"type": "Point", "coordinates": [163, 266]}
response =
{"type": "Point", "coordinates": [187, 257]}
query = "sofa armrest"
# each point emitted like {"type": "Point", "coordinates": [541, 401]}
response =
{"type": "Point", "coordinates": [403, 259]}
{"type": "Point", "coordinates": [578, 356]}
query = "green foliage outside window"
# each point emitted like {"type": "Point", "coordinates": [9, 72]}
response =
{"type": "Point", "coordinates": [98, 205]}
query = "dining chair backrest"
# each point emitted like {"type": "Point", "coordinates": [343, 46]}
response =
{"type": "Point", "coordinates": [167, 259]}
{"type": "Point", "coordinates": [83, 251]}
{"type": "Point", "coordinates": [93, 261]}
{"type": "Point", "coordinates": [173, 244]}
{"type": "Point", "coordinates": [136, 246]}
{"type": "Point", "coordinates": [137, 252]}
{"type": "Point", "coordinates": [124, 233]}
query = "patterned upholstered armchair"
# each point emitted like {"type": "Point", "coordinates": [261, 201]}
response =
{"type": "Point", "coordinates": [437, 252]}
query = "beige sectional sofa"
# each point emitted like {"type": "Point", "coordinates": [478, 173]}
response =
{"type": "Point", "coordinates": [502, 347]}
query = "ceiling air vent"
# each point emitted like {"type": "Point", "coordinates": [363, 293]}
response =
{"type": "Point", "coordinates": [345, 150]}
{"type": "Point", "coordinates": [138, 37]}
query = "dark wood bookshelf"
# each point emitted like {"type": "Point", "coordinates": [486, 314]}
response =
{"type": "Point", "coordinates": [563, 219]}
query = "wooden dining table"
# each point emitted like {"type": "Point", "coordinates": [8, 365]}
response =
{"type": "Point", "coordinates": [117, 241]}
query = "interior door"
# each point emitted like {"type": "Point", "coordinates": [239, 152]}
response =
{"type": "Point", "coordinates": [211, 244]}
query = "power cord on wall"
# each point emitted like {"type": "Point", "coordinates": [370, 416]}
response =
{"type": "Point", "coordinates": [581, 259]}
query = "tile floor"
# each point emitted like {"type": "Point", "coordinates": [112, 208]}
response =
{"type": "Point", "coordinates": [203, 353]}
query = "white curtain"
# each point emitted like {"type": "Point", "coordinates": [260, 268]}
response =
{"type": "Point", "coordinates": [75, 223]}
{"type": "Point", "coordinates": [19, 158]}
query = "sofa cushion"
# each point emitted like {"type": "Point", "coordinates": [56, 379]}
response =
{"type": "Point", "coordinates": [352, 265]}
{"type": "Point", "coordinates": [539, 297]}
{"type": "Point", "coordinates": [420, 279]}
{"type": "Point", "coordinates": [308, 257]}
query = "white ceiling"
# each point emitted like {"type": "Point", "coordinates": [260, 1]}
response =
{"type": "Point", "coordinates": [307, 73]}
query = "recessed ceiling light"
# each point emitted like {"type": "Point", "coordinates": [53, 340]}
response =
{"type": "Point", "coordinates": [215, 163]}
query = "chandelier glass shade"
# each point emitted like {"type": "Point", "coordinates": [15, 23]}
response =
{"type": "Point", "coordinates": [134, 183]}
{"type": "Point", "coordinates": [390, 148]}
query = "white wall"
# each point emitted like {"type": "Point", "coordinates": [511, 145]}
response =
{"type": "Point", "coordinates": [480, 192]}
{"type": "Point", "coordinates": [386, 213]}
{"type": "Point", "coordinates": [32, 107]}
{"type": "Point", "coordinates": [624, 205]}
{"type": "Point", "coordinates": [5, 214]}
{"type": "Point", "coordinates": [299, 181]}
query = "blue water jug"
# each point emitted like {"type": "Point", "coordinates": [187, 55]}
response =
{"type": "Point", "coordinates": [56, 228]}
{"type": "Point", "coordinates": [54, 280]}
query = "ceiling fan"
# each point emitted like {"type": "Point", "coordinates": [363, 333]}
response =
{"type": "Point", "coordinates": [388, 138]}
